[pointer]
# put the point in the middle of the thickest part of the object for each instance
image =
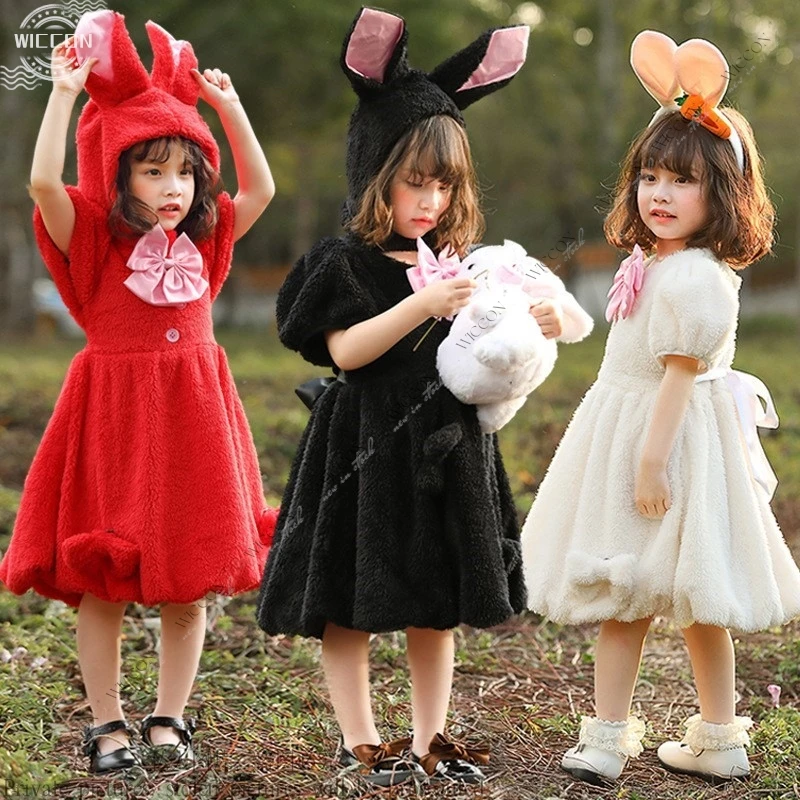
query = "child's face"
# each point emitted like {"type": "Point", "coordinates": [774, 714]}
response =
{"type": "Point", "coordinates": [673, 206]}
{"type": "Point", "coordinates": [167, 188]}
{"type": "Point", "coordinates": [417, 202]}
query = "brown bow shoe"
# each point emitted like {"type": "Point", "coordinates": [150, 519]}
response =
{"type": "Point", "coordinates": [446, 760]}
{"type": "Point", "coordinates": [381, 764]}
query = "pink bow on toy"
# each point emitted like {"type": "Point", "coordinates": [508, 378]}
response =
{"type": "Point", "coordinates": [164, 278]}
{"type": "Point", "coordinates": [430, 269]}
{"type": "Point", "coordinates": [627, 284]}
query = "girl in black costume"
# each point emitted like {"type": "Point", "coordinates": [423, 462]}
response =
{"type": "Point", "coordinates": [398, 513]}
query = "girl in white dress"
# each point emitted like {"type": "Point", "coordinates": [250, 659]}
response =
{"type": "Point", "coordinates": [657, 500]}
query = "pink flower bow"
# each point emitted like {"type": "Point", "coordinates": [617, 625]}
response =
{"type": "Point", "coordinates": [627, 285]}
{"type": "Point", "coordinates": [430, 269]}
{"type": "Point", "coordinates": [164, 278]}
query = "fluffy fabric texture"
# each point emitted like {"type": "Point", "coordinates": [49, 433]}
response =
{"type": "Point", "coordinates": [622, 738]}
{"type": "Point", "coordinates": [717, 557]}
{"type": "Point", "coordinates": [146, 485]}
{"type": "Point", "coordinates": [701, 735]}
{"type": "Point", "coordinates": [398, 511]}
{"type": "Point", "coordinates": [133, 106]}
{"type": "Point", "coordinates": [496, 353]}
{"type": "Point", "coordinates": [394, 97]}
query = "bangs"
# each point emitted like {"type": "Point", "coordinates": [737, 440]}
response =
{"type": "Point", "coordinates": [438, 149]}
{"type": "Point", "coordinates": [158, 151]}
{"type": "Point", "coordinates": [675, 145]}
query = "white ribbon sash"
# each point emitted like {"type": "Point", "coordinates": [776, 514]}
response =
{"type": "Point", "coordinates": [749, 393]}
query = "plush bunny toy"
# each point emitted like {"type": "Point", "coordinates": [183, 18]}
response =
{"type": "Point", "coordinates": [495, 354]}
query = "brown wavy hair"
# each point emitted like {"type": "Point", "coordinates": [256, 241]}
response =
{"type": "Point", "coordinates": [435, 148]}
{"type": "Point", "coordinates": [129, 216]}
{"type": "Point", "coordinates": [741, 220]}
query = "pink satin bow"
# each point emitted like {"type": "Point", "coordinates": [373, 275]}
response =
{"type": "Point", "coordinates": [162, 277]}
{"type": "Point", "coordinates": [627, 285]}
{"type": "Point", "coordinates": [430, 269]}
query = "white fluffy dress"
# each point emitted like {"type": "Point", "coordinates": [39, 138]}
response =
{"type": "Point", "coordinates": [718, 556]}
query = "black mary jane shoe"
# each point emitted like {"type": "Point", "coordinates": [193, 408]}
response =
{"type": "Point", "coordinates": [381, 765]}
{"type": "Point", "coordinates": [169, 753]}
{"type": "Point", "coordinates": [450, 761]}
{"type": "Point", "coordinates": [122, 758]}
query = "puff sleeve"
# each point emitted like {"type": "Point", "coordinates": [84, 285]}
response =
{"type": "Point", "coordinates": [695, 309]}
{"type": "Point", "coordinates": [75, 274]}
{"type": "Point", "coordinates": [322, 292]}
{"type": "Point", "coordinates": [218, 253]}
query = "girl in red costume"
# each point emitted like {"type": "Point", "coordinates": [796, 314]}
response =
{"type": "Point", "coordinates": [146, 486]}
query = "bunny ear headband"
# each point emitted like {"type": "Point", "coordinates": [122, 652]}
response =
{"type": "Point", "coordinates": [393, 97]}
{"type": "Point", "coordinates": [127, 104]}
{"type": "Point", "coordinates": [691, 78]}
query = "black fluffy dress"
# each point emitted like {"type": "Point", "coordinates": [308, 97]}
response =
{"type": "Point", "coordinates": [398, 511]}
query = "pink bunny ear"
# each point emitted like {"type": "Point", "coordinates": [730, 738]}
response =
{"type": "Point", "coordinates": [504, 58]}
{"type": "Point", "coordinates": [173, 60]}
{"type": "Point", "coordinates": [119, 72]}
{"type": "Point", "coordinates": [372, 46]}
{"type": "Point", "coordinates": [484, 66]}
{"type": "Point", "coordinates": [702, 70]}
{"type": "Point", "coordinates": [653, 61]}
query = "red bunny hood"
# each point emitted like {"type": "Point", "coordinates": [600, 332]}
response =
{"type": "Point", "coordinates": [127, 105]}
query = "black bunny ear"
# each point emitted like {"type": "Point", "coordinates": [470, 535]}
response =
{"type": "Point", "coordinates": [484, 66]}
{"type": "Point", "coordinates": [374, 51]}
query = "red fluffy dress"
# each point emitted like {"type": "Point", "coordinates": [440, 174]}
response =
{"type": "Point", "coordinates": [146, 486]}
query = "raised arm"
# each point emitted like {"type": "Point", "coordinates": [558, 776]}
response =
{"type": "Point", "coordinates": [362, 343]}
{"type": "Point", "coordinates": [253, 176]}
{"type": "Point", "coordinates": [46, 187]}
{"type": "Point", "coordinates": [652, 494]}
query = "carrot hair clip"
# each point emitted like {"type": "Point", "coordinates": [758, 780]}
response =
{"type": "Point", "coordinates": [691, 78]}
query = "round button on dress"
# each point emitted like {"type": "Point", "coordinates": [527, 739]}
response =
{"type": "Point", "coordinates": [173, 335]}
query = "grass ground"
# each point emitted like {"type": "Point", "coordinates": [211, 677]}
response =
{"type": "Point", "coordinates": [267, 730]}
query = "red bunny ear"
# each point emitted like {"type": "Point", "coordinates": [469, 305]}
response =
{"type": "Point", "coordinates": [119, 72]}
{"type": "Point", "coordinates": [173, 60]}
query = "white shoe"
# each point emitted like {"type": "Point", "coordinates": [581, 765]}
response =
{"type": "Point", "coordinates": [603, 749]}
{"type": "Point", "coordinates": [710, 750]}
{"type": "Point", "coordinates": [593, 765]}
{"type": "Point", "coordinates": [714, 765]}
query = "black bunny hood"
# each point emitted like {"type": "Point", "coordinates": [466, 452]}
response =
{"type": "Point", "coordinates": [393, 97]}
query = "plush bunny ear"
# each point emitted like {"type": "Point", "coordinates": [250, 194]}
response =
{"type": "Point", "coordinates": [375, 50]}
{"type": "Point", "coordinates": [173, 60]}
{"type": "Point", "coordinates": [702, 70]}
{"type": "Point", "coordinates": [119, 72]}
{"type": "Point", "coordinates": [653, 61]}
{"type": "Point", "coordinates": [484, 66]}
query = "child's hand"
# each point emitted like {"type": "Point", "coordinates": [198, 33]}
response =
{"type": "Point", "coordinates": [550, 317]}
{"type": "Point", "coordinates": [651, 491]}
{"type": "Point", "coordinates": [447, 297]}
{"type": "Point", "coordinates": [215, 87]}
{"type": "Point", "coordinates": [67, 76]}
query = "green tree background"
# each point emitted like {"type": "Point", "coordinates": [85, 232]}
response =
{"type": "Point", "coordinates": [547, 147]}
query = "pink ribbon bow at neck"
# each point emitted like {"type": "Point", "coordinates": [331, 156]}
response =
{"type": "Point", "coordinates": [431, 268]}
{"type": "Point", "coordinates": [162, 277]}
{"type": "Point", "coordinates": [627, 285]}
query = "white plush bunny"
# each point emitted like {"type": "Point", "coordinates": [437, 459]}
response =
{"type": "Point", "coordinates": [495, 354]}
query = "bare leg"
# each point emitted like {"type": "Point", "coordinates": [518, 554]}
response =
{"type": "Point", "coordinates": [183, 631]}
{"type": "Point", "coordinates": [617, 657]}
{"type": "Point", "coordinates": [99, 630]}
{"type": "Point", "coordinates": [714, 667]}
{"type": "Point", "coordinates": [345, 660]}
{"type": "Point", "coordinates": [430, 662]}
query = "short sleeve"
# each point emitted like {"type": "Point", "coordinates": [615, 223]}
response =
{"type": "Point", "coordinates": [75, 275]}
{"type": "Point", "coordinates": [695, 308]}
{"type": "Point", "coordinates": [219, 256]}
{"type": "Point", "coordinates": [321, 293]}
